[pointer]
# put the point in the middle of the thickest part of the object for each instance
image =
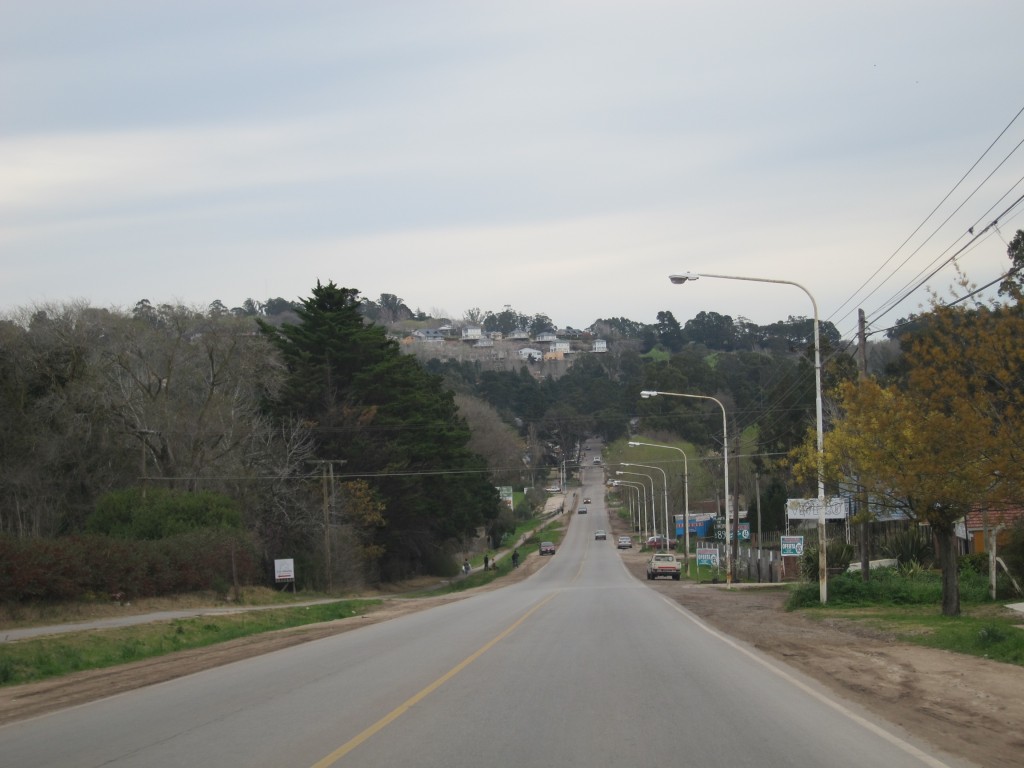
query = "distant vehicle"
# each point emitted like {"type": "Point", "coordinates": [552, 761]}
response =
{"type": "Point", "coordinates": [659, 542]}
{"type": "Point", "coordinates": [600, 535]}
{"type": "Point", "coordinates": [582, 511]}
{"type": "Point", "coordinates": [553, 489]}
{"type": "Point", "coordinates": [625, 542]}
{"type": "Point", "coordinates": [547, 548]}
{"type": "Point", "coordinates": [586, 500]}
{"type": "Point", "coordinates": [663, 565]}
{"type": "Point", "coordinates": [597, 459]}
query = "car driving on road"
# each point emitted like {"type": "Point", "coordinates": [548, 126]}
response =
{"type": "Point", "coordinates": [625, 542]}
{"type": "Point", "coordinates": [600, 535]}
{"type": "Point", "coordinates": [547, 548]}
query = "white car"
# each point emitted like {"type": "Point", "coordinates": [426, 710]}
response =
{"type": "Point", "coordinates": [625, 542]}
{"type": "Point", "coordinates": [600, 535]}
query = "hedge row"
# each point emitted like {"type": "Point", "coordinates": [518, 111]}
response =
{"type": "Point", "coordinates": [81, 567]}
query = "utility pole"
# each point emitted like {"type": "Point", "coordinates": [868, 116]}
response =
{"type": "Point", "coordinates": [327, 484]}
{"type": "Point", "coordinates": [862, 359]}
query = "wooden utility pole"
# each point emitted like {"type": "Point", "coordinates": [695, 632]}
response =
{"type": "Point", "coordinates": [327, 484]}
{"type": "Point", "coordinates": [862, 359]}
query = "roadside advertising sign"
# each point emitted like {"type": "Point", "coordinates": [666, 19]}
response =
{"type": "Point", "coordinates": [284, 570]}
{"type": "Point", "coordinates": [792, 546]}
{"type": "Point", "coordinates": [707, 556]}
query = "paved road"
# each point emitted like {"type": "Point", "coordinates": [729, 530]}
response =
{"type": "Point", "coordinates": [581, 664]}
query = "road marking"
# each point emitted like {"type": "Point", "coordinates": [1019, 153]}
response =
{"type": "Point", "coordinates": [893, 739]}
{"type": "Point", "coordinates": [400, 710]}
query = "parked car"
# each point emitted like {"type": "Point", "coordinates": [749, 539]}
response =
{"type": "Point", "coordinates": [660, 542]}
{"type": "Point", "coordinates": [547, 548]}
{"type": "Point", "coordinates": [600, 535]}
{"type": "Point", "coordinates": [625, 542]}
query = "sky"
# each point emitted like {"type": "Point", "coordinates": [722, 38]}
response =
{"type": "Point", "coordinates": [559, 157]}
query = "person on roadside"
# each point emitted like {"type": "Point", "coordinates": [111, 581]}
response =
{"type": "Point", "coordinates": [487, 561]}
{"type": "Point", "coordinates": [515, 558]}
{"type": "Point", "coordinates": [465, 567]}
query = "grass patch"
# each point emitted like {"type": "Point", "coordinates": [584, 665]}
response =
{"type": "Point", "coordinates": [41, 658]}
{"type": "Point", "coordinates": [907, 607]}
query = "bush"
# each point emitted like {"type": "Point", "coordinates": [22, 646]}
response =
{"type": "Point", "coordinates": [911, 546]}
{"type": "Point", "coordinates": [838, 556]}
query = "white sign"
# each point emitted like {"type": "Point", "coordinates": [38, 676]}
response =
{"type": "Point", "coordinates": [284, 570]}
{"type": "Point", "coordinates": [707, 556]}
{"type": "Point", "coordinates": [836, 508]}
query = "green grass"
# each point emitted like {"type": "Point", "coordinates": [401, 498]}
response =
{"type": "Point", "coordinates": [908, 607]}
{"type": "Point", "coordinates": [41, 658]}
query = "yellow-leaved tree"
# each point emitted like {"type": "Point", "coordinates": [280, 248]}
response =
{"type": "Point", "coordinates": [944, 438]}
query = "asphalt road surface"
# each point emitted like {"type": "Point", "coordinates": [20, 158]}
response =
{"type": "Point", "coordinates": [581, 664]}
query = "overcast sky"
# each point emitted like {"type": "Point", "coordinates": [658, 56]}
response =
{"type": "Point", "coordinates": [561, 157]}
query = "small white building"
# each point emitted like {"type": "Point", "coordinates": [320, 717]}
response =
{"type": "Point", "coordinates": [599, 345]}
{"type": "Point", "coordinates": [472, 333]}
{"type": "Point", "coordinates": [546, 337]}
{"type": "Point", "coordinates": [529, 353]}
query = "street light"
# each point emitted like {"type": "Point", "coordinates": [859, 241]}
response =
{"type": "Point", "coordinates": [664, 489]}
{"type": "Point", "coordinates": [641, 490]}
{"type": "Point", "coordinates": [638, 489]}
{"type": "Point", "coordinates": [654, 509]}
{"type": "Point", "coordinates": [819, 426]}
{"type": "Point", "coordinates": [686, 497]}
{"type": "Point", "coordinates": [648, 393]}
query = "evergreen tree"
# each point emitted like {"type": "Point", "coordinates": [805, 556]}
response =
{"type": "Point", "coordinates": [391, 422]}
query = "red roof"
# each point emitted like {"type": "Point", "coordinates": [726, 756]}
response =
{"type": "Point", "coordinates": [996, 517]}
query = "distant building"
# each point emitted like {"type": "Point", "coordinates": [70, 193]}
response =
{"type": "Point", "coordinates": [547, 337]}
{"type": "Point", "coordinates": [429, 335]}
{"type": "Point", "coordinates": [528, 353]}
{"type": "Point", "coordinates": [472, 333]}
{"type": "Point", "coordinates": [599, 345]}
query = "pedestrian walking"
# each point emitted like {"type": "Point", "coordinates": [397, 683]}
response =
{"type": "Point", "coordinates": [515, 558]}
{"type": "Point", "coordinates": [487, 562]}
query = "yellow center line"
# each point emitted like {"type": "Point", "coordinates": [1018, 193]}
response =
{"type": "Point", "coordinates": [400, 710]}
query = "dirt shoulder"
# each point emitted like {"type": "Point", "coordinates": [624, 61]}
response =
{"type": "Point", "coordinates": [970, 707]}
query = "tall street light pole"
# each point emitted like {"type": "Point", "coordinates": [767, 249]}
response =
{"type": "Point", "coordinates": [641, 491]}
{"type": "Point", "coordinates": [633, 487]}
{"type": "Point", "coordinates": [819, 426]}
{"type": "Point", "coordinates": [686, 497]}
{"type": "Point", "coordinates": [648, 393]}
{"type": "Point", "coordinates": [654, 509]}
{"type": "Point", "coordinates": [664, 489]}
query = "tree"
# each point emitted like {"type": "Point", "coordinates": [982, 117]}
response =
{"type": "Point", "coordinates": [390, 421]}
{"type": "Point", "coordinates": [670, 333]}
{"type": "Point", "coordinates": [1013, 284]}
{"type": "Point", "coordinates": [947, 438]}
{"type": "Point", "coordinates": [711, 329]}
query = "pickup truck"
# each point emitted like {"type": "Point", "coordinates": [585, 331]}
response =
{"type": "Point", "coordinates": [663, 565]}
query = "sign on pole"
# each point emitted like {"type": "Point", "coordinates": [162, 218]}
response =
{"type": "Point", "coordinates": [836, 508]}
{"type": "Point", "coordinates": [792, 546]}
{"type": "Point", "coordinates": [707, 556]}
{"type": "Point", "coordinates": [284, 570]}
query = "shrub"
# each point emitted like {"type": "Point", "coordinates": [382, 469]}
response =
{"type": "Point", "coordinates": [838, 556]}
{"type": "Point", "coordinates": [911, 546]}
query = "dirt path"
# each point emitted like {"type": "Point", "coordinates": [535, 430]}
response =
{"type": "Point", "coordinates": [967, 706]}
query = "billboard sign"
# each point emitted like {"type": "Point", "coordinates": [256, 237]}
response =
{"type": "Point", "coordinates": [284, 570]}
{"type": "Point", "coordinates": [836, 508]}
